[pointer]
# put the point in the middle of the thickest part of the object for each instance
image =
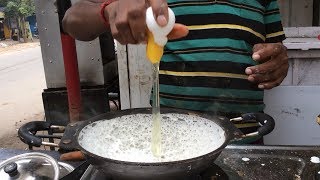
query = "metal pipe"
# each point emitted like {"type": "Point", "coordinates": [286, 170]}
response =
{"type": "Point", "coordinates": [72, 77]}
{"type": "Point", "coordinates": [238, 119]}
{"type": "Point", "coordinates": [57, 129]}
{"type": "Point", "coordinates": [49, 136]}
{"type": "Point", "coordinates": [50, 144]}
{"type": "Point", "coordinates": [250, 135]}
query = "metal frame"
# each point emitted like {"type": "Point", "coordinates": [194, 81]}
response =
{"type": "Point", "coordinates": [49, 33]}
{"type": "Point", "coordinates": [88, 53]}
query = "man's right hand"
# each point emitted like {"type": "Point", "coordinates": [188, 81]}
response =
{"type": "Point", "coordinates": [127, 19]}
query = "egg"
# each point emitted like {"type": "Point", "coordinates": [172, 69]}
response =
{"type": "Point", "coordinates": [157, 35]}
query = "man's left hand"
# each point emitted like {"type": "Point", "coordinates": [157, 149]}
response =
{"type": "Point", "coordinates": [273, 67]}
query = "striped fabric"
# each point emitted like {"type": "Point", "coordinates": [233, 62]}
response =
{"type": "Point", "coordinates": [205, 71]}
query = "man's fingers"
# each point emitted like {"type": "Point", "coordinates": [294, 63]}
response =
{"type": "Point", "coordinates": [264, 67]}
{"type": "Point", "coordinates": [122, 24]}
{"type": "Point", "coordinates": [273, 68]}
{"type": "Point", "coordinates": [263, 52]}
{"type": "Point", "coordinates": [178, 31]}
{"type": "Point", "coordinates": [271, 85]}
{"type": "Point", "coordinates": [260, 78]}
{"type": "Point", "coordinates": [112, 16]}
{"type": "Point", "coordinates": [160, 11]}
{"type": "Point", "coordinates": [137, 19]}
{"type": "Point", "coordinates": [270, 79]}
{"type": "Point", "coordinates": [267, 81]}
{"type": "Point", "coordinates": [126, 35]}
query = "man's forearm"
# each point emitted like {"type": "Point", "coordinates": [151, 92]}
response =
{"type": "Point", "coordinates": [83, 22]}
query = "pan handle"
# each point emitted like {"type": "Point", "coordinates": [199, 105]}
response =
{"type": "Point", "coordinates": [27, 131]}
{"type": "Point", "coordinates": [265, 121]}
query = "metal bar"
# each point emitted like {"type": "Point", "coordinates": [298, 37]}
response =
{"type": "Point", "coordinates": [51, 140]}
{"type": "Point", "coordinates": [49, 136]}
{"type": "Point", "coordinates": [50, 144]}
{"type": "Point", "coordinates": [238, 119]}
{"type": "Point", "coordinates": [250, 135]}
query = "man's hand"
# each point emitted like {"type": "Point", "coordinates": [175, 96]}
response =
{"type": "Point", "coordinates": [127, 19]}
{"type": "Point", "coordinates": [273, 67]}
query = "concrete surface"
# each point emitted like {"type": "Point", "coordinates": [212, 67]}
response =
{"type": "Point", "coordinates": [21, 84]}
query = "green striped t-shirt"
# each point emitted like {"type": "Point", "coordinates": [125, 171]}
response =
{"type": "Point", "coordinates": [205, 71]}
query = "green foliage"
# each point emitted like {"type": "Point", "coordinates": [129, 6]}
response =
{"type": "Point", "coordinates": [3, 3]}
{"type": "Point", "coordinates": [11, 10]}
{"type": "Point", "coordinates": [19, 8]}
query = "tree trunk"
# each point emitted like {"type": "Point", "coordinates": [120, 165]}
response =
{"type": "Point", "coordinates": [19, 28]}
{"type": "Point", "coordinates": [10, 28]}
{"type": "Point", "coordinates": [23, 30]}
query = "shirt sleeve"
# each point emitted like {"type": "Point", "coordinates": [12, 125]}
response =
{"type": "Point", "coordinates": [272, 20]}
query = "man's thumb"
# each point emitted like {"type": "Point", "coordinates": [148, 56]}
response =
{"type": "Point", "coordinates": [160, 11]}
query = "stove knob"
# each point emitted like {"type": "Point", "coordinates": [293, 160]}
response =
{"type": "Point", "coordinates": [11, 169]}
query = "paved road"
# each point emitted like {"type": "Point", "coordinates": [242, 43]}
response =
{"type": "Point", "coordinates": [22, 81]}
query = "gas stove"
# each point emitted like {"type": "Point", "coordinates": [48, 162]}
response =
{"type": "Point", "coordinates": [240, 162]}
{"type": "Point", "coordinates": [212, 173]}
{"type": "Point", "coordinates": [255, 162]}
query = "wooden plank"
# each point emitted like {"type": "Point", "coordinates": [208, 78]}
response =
{"type": "Point", "coordinates": [303, 46]}
{"type": "Point", "coordinates": [140, 75]}
{"type": "Point", "coordinates": [308, 72]}
{"type": "Point", "coordinates": [303, 72]}
{"type": "Point", "coordinates": [303, 55]}
{"type": "Point", "coordinates": [295, 72]}
{"type": "Point", "coordinates": [284, 6]}
{"type": "Point", "coordinates": [288, 80]}
{"type": "Point", "coordinates": [290, 17]}
{"type": "Point", "coordinates": [303, 38]}
{"type": "Point", "coordinates": [302, 32]}
{"type": "Point", "coordinates": [301, 13]}
{"type": "Point", "coordinates": [123, 76]}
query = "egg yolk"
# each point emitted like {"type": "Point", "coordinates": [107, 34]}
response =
{"type": "Point", "coordinates": [154, 51]}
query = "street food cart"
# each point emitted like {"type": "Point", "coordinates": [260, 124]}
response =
{"type": "Point", "coordinates": [291, 150]}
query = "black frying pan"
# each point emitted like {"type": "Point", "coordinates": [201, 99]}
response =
{"type": "Point", "coordinates": [163, 170]}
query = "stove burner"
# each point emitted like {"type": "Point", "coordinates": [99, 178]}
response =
{"type": "Point", "coordinates": [212, 173]}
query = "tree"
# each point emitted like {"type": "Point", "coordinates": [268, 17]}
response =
{"type": "Point", "coordinates": [19, 10]}
{"type": "Point", "coordinates": [3, 3]}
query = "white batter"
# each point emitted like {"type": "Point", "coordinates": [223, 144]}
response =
{"type": "Point", "coordinates": [128, 138]}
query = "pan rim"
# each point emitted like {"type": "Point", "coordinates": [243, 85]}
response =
{"type": "Point", "coordinates": [217, 119]}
